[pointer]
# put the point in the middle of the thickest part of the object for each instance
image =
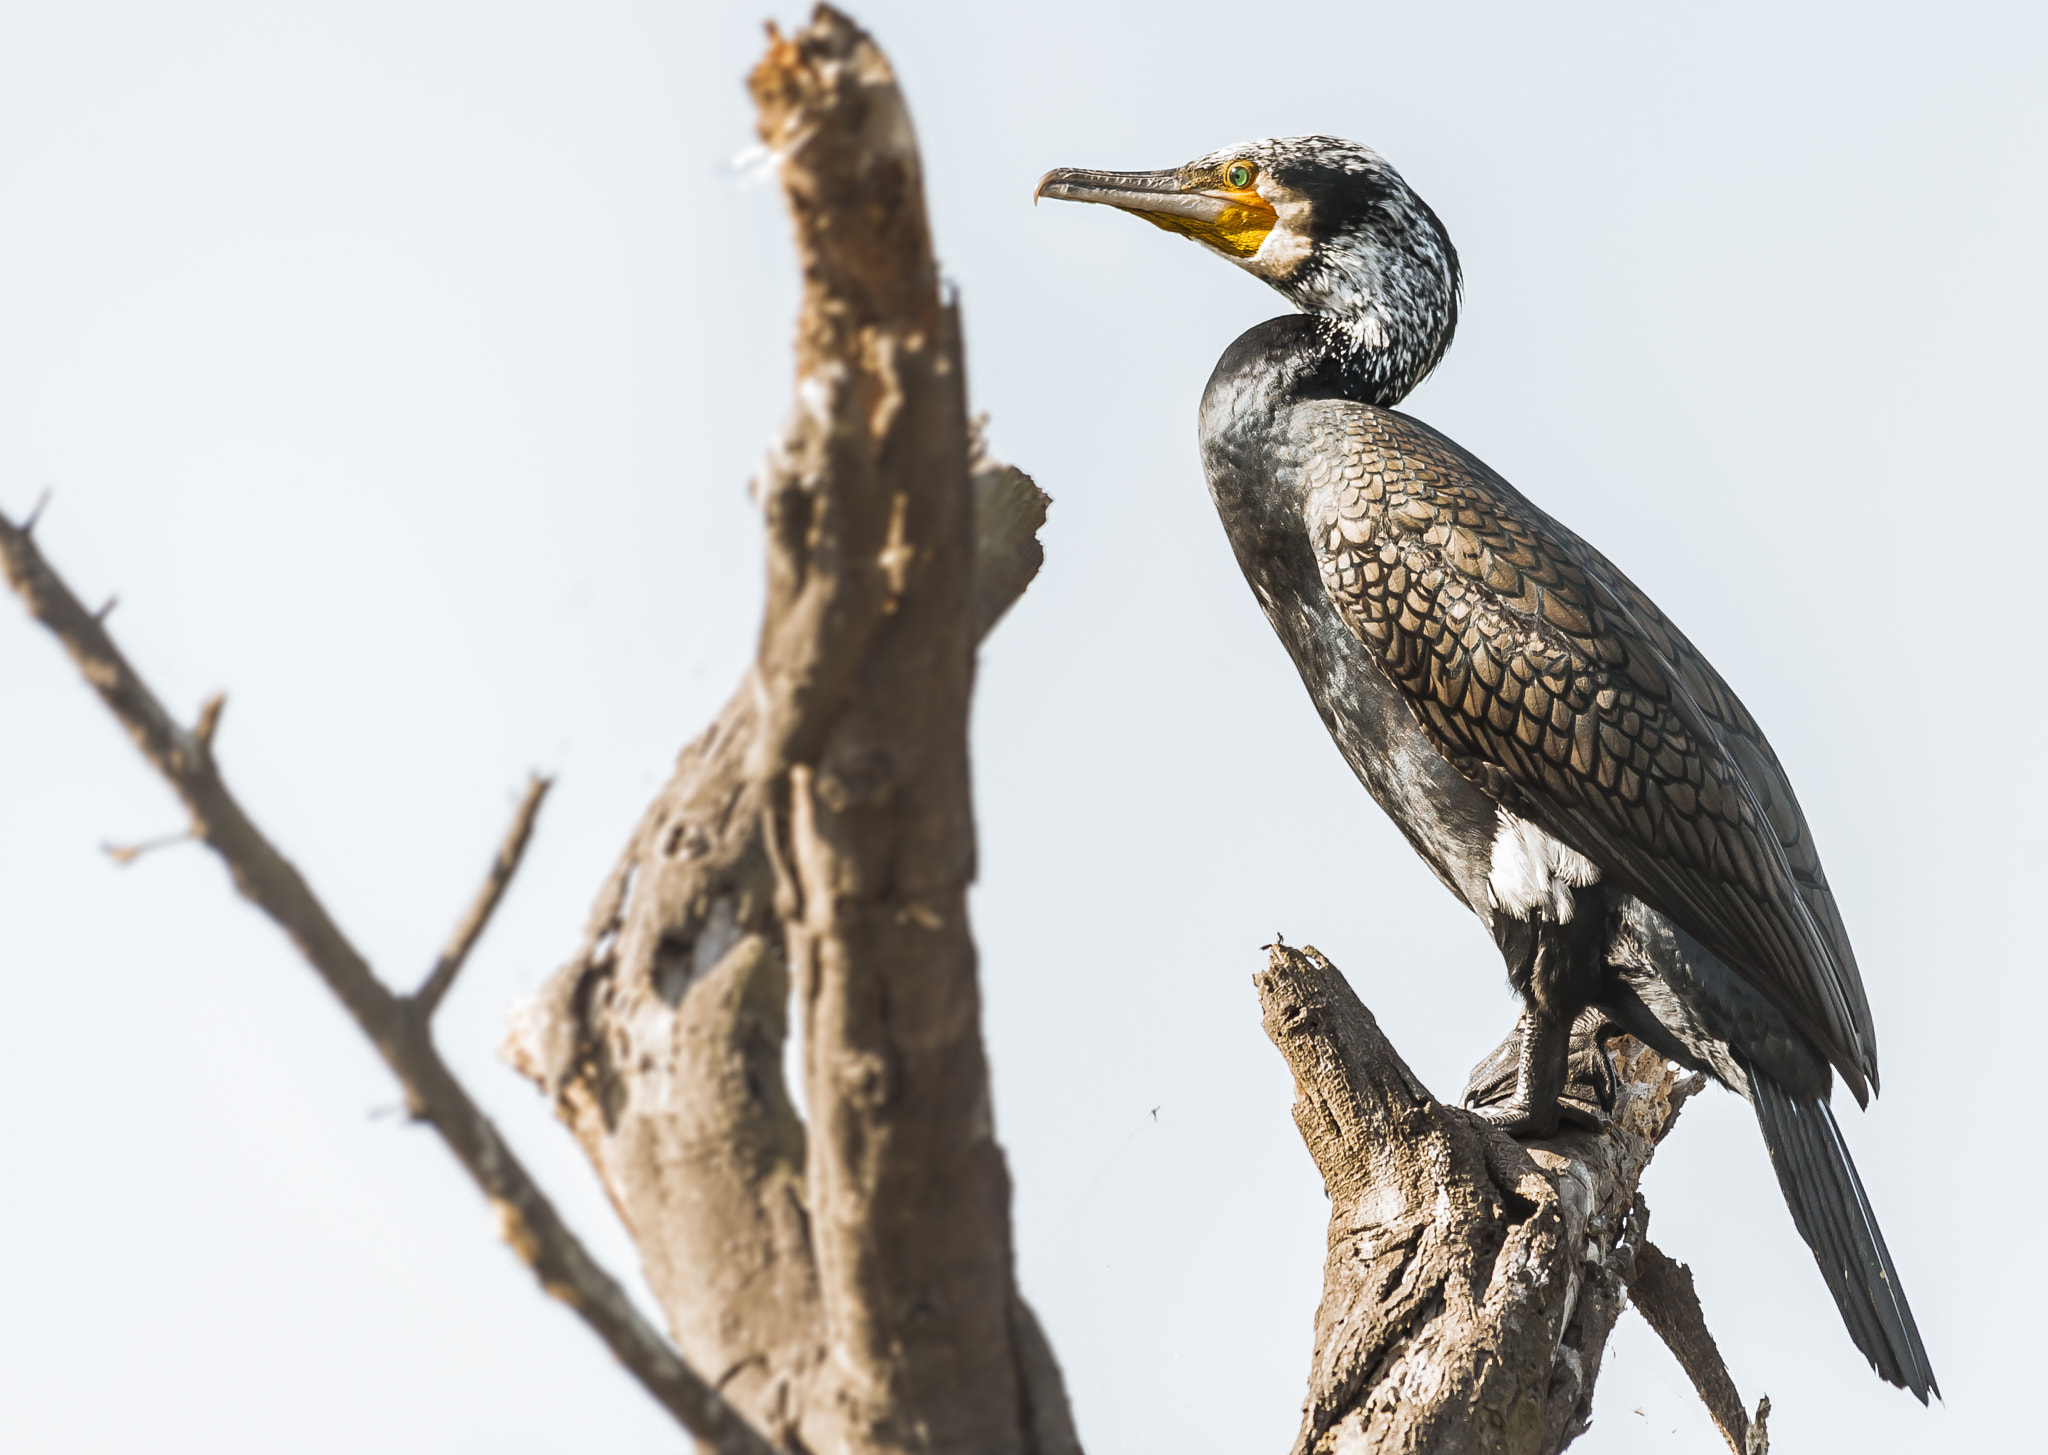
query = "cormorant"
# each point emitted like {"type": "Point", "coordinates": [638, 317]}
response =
{"type": "Point", "coordinates": [1549, 742]}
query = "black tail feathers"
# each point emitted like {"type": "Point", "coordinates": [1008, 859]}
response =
{"type": "Point", "coordinates": [1832, 1214]}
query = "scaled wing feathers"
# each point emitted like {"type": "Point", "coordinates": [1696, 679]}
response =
{"type": "Point", "coordinates": [1546, 676]}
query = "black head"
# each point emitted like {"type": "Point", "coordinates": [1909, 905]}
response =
{"type": "Point", "coordinates": [1325, 221]}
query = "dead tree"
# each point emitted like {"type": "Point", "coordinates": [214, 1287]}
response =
{"type": "Point", "coordinates": [848, 1281]}
{"type": "Point", "coordinates": [843, 1282]}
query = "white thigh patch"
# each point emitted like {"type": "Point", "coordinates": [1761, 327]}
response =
{"type": "Point", "coordinates": [1532, 871]}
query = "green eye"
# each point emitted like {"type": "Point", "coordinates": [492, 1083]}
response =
{"type": "Point", "coordinates": [1240, 174]}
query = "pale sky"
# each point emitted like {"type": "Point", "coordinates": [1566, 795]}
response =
{"type": "Point", "coordinates": [401, 367]}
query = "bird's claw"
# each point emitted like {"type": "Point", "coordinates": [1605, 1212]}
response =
{"type": "Point", "coordinates": [1519, 1119]}
{"type": "Point", "coordinates": [1498, 1091]}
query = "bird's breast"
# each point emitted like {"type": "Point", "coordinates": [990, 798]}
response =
{"type": "Point", "coordinates": [1255, 461]}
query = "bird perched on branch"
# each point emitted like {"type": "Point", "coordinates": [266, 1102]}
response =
{"type": "Point", "coordinates": [1567, 762]}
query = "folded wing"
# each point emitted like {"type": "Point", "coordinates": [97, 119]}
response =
{"type": "Point", "coordinates": [1549, 678]}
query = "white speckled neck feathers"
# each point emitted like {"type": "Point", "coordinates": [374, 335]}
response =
{"type": "Point", "coordinates": [1355, 245]}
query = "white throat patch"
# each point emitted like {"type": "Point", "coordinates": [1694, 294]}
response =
{"type": "Point", "coordinates": [1533, 872]}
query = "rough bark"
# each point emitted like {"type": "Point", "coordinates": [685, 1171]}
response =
{"type": "Point", "coordinates": [849, 1282]}
{"type": "Point", "coordinates": [1471, 1280]}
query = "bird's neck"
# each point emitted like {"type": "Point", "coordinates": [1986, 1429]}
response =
{"type": "Point", "coordinates": [1248, 445]}
{"type": "Point", "coordinates": [1350, 356]}
{"type": "Point", "coordinates": [1320, 356]}
{"type": "Point", "coordinates": [1380, 316]}
{"type": "Point", "coordinates": [1252, 406]}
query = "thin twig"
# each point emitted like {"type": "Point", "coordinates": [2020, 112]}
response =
{"type": "Point", "coordinates": [209, 711]}
{"type": "Point", "coordinates": [428, 997]}
{"type": "Point", "coordinates": [529, 1221]}
{"type": "Point", "coordinates": [126, 854]}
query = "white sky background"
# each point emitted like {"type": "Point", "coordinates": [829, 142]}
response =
{"type": "Point", "coordinates": [402, 367]}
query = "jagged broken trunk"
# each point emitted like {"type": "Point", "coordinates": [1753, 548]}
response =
{"type": "Point", "coordinates": [1471, 1280]}
{"type": "Point", "coordinates": [847, 1284]}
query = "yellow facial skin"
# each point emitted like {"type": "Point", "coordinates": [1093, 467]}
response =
{"type": "Point", "coordinates": [1241, 229]}
{"type": "Point", "coordinates": [1242, 226]}
{"type": "Point", "coordinates": [1218, 206]}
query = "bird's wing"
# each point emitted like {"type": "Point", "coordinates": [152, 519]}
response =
{"type": "Point", "coordinates": [1548, 677]}
{"type": "Point", "coordinates": [1745, 742]}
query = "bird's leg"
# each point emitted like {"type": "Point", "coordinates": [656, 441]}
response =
{"type": "Point", "coordinates": [1541, 1051]}
{"type": "Point", "coordinates": [1590, 1080]}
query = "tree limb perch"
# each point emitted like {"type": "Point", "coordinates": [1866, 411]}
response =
{"type": "Point", "coordinates": [1472, 1280]}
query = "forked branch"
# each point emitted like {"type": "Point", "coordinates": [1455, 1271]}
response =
{"type": "Point", "coordinates": [397, 1025]}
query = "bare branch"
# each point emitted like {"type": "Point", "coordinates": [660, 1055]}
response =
{"type": "Point", "coordinates": [126, 854]}
{"type": "Point", "coordinates": [209, 710]}
{"type": "Point", "coordinates": [428, 997]}
{"type": "Point", "coordinates": [528, 1220]}
{"type": "Point", "coordinates": [1661, 1290]}
{"type": "Point", "coordinates": [1009, 509]}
